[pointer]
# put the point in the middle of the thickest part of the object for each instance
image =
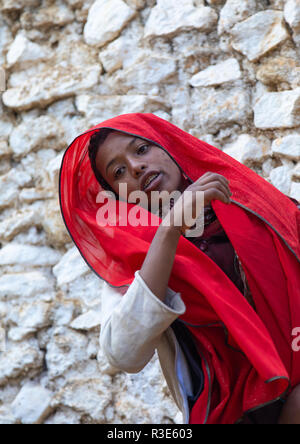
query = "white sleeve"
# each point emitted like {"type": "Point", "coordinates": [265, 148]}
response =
{"type": "Point", "coordinates": [132, 323]}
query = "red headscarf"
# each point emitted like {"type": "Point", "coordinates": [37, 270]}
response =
{"type": "Point", "coordinates": [249, 361]}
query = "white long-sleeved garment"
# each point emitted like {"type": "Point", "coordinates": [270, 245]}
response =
{"type": "Point", "coordinates": [135, 323]}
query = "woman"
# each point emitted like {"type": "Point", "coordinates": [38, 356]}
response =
{"type": "Point", "coordinates": [227, 318]}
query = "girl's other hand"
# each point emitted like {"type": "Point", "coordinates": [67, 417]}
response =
{"type": "Point", "coordinates": [213, 185]}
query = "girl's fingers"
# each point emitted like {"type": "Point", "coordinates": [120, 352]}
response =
{"type": "Point", "coordinates": [212, 177]}
{"type": "Point", "coordinates": [218, 185]}
{"type": "Point", "coordinates": [219, 195]}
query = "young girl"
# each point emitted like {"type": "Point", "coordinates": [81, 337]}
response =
{"type": "Point", "coordinates": [221, 309]}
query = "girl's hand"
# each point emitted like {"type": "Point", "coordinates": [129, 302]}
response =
{"type": "Point", "coordinates": [213, 185]}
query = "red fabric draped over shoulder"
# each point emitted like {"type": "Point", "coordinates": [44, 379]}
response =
{"type": "Point", "coordinates": [247, 355]}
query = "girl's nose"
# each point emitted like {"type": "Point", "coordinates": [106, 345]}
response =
{"type": "Point", "coordinates": [137, 168]}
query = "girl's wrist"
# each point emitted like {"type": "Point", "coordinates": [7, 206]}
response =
{"type": "Point", "coordinates": [171, 229]}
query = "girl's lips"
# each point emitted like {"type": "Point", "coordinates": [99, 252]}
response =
{"type": "Point", "coordinates": [154, 184]}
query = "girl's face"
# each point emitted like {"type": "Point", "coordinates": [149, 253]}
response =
{"type": "Point", "coordinates": [127, 159]}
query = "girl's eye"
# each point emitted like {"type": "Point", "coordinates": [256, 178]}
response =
{"type": "Point", "coordinates": [116, 173]}
{"type": "Point", "coordinates": [141, 148]}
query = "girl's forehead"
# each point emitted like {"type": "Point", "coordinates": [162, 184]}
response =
{"type": "Point", "coordinates": [118, 141]}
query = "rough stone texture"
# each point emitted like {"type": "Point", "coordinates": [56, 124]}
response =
{"type": "Point", "coordinates": [226, 71]}
{"type": "Point", "coordinates": [104, 24]}
{"type": "Point", "coordinates": [87, 321]}
{"type": "Point", "coordinates": [25, 52]}
{"type": "Point", "coordinates": [292, 17]}
{"type": "Point", "coordinates": [46, 89]}
{"type": "Point", "coordinates": [248, 149]}
{"type": "Point", "coordinates": [284, 72]}
{"type": "Point", "coordinates": [223, 72]}
{"type": "Point", "coordinates": [259, 34]}
{"type": "Point", "coordinates": [292, 13]}
{"type": "Point", "coordinates": [5, 149]}
{"type": "Point", "coordinates": [281, 178]}
{"type": "Point", "coordinates": [220, 108]}
{"type": "Point", "coordinates": [10, 184]}
{"type": "Point", "coordinates": [10, 5]}
{"type": "Point", "coordinates": [17, 222]}
{"type": "Point", "coordinates": [19, 360]}
{"type": "Point", "coordinates": [47, 16]}
{"type": "Point", "coordinates": [104, 107]}
{"type": "Point", "coordinates": [119, 54]}
{"type": "Point", "coordinates": [278, 110]}
{"type": "Point", "coordinates": [28, 255]}
{"type": "Point", "coordinates": [295, 190]}
{"type": "Point", "coordinates": [46, 131]}
{"type": "Point", "coordinates": [235, 11]}
{"type": "Point", "coordinates": [169, 18]}
{"type": "Point", "coordinates": [144, 75]}
{"type": "Point", "coordinates": [32, 404]}
{"type": "Point", "coordinates": [296, 171]}
{"type": "Point", "coordinates": [70, 267]}
{"type": "Point", "coordinates": [89, 396]}
{"type": "Point", "coordinates": [288, 147]}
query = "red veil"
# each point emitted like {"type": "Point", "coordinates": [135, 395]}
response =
{"type": "Point", "coordinates": [248, 360]}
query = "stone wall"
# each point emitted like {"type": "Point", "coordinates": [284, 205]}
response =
{"type": "Point", "coordinates": [226, 71]}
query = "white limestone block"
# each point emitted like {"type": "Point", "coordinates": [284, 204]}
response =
{"type": "Point", "coordinates": [118, 54]}
{"type": "Point", "coordinates": [288, 146]}
{"type": "Point", "coordinates": [278, 110]}
{"type": "Point", "coordinates": [23, 50]}
{"type": "Point", "coordinates": [70, 267]}
{"type": "Point", "coordinates": [292, 13]}
{"type": "Point", "coordinates": [259, 34]}
{"type": "Point", "coordinates": [66, 349]}
{"type": "Point", "coordinates": [51, 84]}
{"type": "Point", "coordinates": [20, 359]}
{"type": "Point", "coordinates": [96, 107]}
{"type": "Point", "coordinates": [281, 178]}
{"type": "Point", "coordinates": [17, 222]}
{"type": "Point", "coordinates": [25, 285]}
{"type": "Point", "coordinates": [295, 190]}
{"type": "Point", "coordinates": [29, 195]}
{"type": "Point", "coordinates": [235, 11]}
{"type": "Point", "coordinates": [144, 75]}
{"type": "Point", "coordinates": [44, 130]}
{"type": "Point", "coordinates": [6, 416]}
{"type": "Point", "coordinates": [223, 72]}
{"type": "Point", "coordinates": [248, 149]}
{"type": "Point", "coordinates": [12, 254]}
{"type": "Point", "coordinates": [106, 20]}
{"type": "Point", "coordinates": [169, 18]}
{"type": "Point", "coordinates": [35, 315]}
{"type": "Point", "coordinates": [217, 108]}
{"type": "Point", "coordinates": [87, 321]}
{"type": "Point", "coordinates": [88, 395]}
{"type": "Point", "coordinates": [33, 404]}
{"type": "Point", "coordinates": [9, 185]}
